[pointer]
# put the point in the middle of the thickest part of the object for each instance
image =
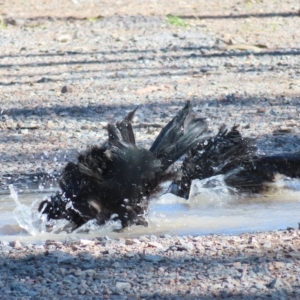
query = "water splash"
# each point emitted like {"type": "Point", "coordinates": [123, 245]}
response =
{"type": "Point", "coordinates": [206, 197]}
{"type": "Point", "coordinates": [26, 217]}
{"type": "Point", "coordinates": [92, 227]}
{"type": "Point", "coordinates": [14, 194]}
{"type": "Point", "coordinates": [211, 191]}
{"type": "Point", "coordinates": [36, 223]}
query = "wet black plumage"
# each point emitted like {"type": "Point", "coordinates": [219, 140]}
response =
{"type": "Point", "coordinates": [118, 177]}
{"type": "Point", "coordinates": [235, 157]}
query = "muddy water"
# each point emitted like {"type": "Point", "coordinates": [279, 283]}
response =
{"type": "Point", "coordinates": [208, 211]}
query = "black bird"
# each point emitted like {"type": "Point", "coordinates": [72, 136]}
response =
{"type": "Point", "coordinates": [235, 157]}
{"type": "Point", "coordinates": [118, 178]}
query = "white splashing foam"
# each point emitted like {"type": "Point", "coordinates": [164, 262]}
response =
{"type": "Point", "coordinates": [14, 194]}
{"type": "Point", "coordinates": [211, 191]}
{"type": "Point", "coordinates": [24, 215]}
{"type": "Point", "coordinates": [92, 227]}
{"type": "Point", "coordinates": [30, 219]}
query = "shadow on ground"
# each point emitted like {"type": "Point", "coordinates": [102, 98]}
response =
{"type": "Point", "coordinates": [95, 271]}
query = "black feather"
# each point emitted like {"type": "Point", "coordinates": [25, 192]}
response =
{"type": "Point", "coordinates": [230, 154]}
{"type": "Point", "coordinates": [118, 177]}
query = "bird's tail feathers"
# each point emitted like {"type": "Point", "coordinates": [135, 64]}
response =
{"type": "Point", "coordinates": [178, 136]}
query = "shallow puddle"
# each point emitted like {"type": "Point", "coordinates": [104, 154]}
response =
{"type": "Point", "coordinates": [208, 211]}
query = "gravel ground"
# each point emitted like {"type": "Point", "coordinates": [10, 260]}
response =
{"type": "Point", "coordinates": [264, 265]}
{"type": "Point", "coordinates": [66, 69]}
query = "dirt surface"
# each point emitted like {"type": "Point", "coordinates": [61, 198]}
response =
{"type": "Point", "coordinates": [69, 67]}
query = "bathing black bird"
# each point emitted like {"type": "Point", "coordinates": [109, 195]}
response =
{"type": "Point", "coordinates": [235, 157]}
{"type": "Point", "coordinates": [118, 178]}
